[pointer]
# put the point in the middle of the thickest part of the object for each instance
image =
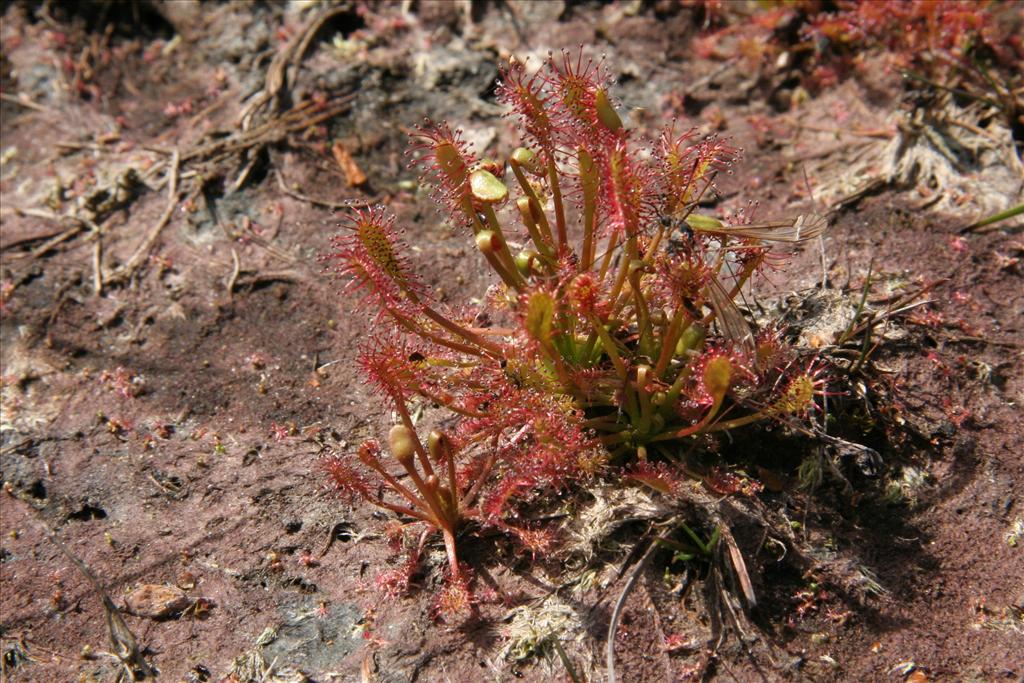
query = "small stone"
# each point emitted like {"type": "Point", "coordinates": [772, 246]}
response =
{"type": "Point", "coordinates": [156, 601]}
{"type": "Point", "coordinates": [186, 580]}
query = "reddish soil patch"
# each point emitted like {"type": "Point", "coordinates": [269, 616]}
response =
{"type": "Point", "coordinates": [168, 424]}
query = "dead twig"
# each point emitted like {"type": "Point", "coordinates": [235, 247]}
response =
{"type": "Point", "coordinates": [350, 204]}
{"type": "Point", "coordinates": [97, 263]}
{"type": "Point", "coordinates": [277, 79]}
{"type": "Point", "coordinates": [613, 624]}
{"type": "Point", "coordinates": [53, 238]}
{"type": "Point", "coordinates": [292, 121]}
{"type": "Point", "coordinates": [949, 339]}
{"type": "Point", "coordinates": [233, 278]}
{"type": "Point", "coordinates": [127, 271]}
{"type": "Point", "coordinates": [254, 158]}
{"type": "Point", "coordinates": [23, 100]}
{"type": "Point", "coordinates": [740, 567]}
{"type": "Point", "coordinates": [249, 278]}
{"type": "Point", "coordinates": [122, 640]}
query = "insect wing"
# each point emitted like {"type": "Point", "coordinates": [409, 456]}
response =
{"type": "Point", "coordinates": [802, 228]}
{"type": "Point", "coordinates": [730, 320]}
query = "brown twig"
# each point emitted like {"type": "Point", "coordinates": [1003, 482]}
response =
{"type": "Point", "coordinates": [613, 624]}
{"type": "Point", "coordinates": [277, 129]}
{"type": "Point", "coordinates": [127, 271]}
{"type": "Point", "coordinates": [54, 238]}
{"type": "Point", "coordinates": [97, 263]}
{"type": "Point", "coordinates": [739, 566]}
{"type": "Point", "coordinates": [277, 79]}
{"type": "Point", "coordinates": [235, 270]}
{"type": "Point", "coordinates": [980, 340]}
{"type": "Point", "coordinates": [350, 204]}
{"type": "Point", "coordinates": [23, 100]}
{"type": "Point", "coordinates": [122, 640]}
{"type": "Point", "coordinates": [270, 276]}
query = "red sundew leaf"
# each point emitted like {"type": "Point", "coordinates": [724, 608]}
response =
{"type": "Point", "coordinates": [628, 195]}
{"type": "Point", "coordinates": [801, 388]}
{"type": "Point", "coordinates": [455, 599]}
{"type": "Point", "coordinates": [727, 483]}
{"type": "Point", "coordinates": [395, 582]}
{"type": "Point", "coordinates": [580, 88]}
{"type": "Point", "coordinates": [687, 168]}
{"type": "Point", "coordinates": [447, 163]}
{"type": "Point", "coordinates": [348, 481]}
{"type": "Point", "coordinates": [530, 101]}
{"type": "Point", "coordinates": [682, 274]}
{"type": "Point", "coordinates": [723, 482]}
{"type": "Point", "coordinates": [536, 540]}
{"type": "Point", "coordinates": [387, 365]}
{"type": "Point", "coordinates": [371, 255]}
{"type": "Point", "coordinates": [661, 477]}
{"type": "Point", "coordinates": [585, 295]}
{"type": "Point", "coordinates": [771, 353]}
{"type": "Point", "coordinates": [496, 504]}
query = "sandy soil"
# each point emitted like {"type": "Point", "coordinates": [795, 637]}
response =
{"type": "Point", "coordinates": [176, 363]}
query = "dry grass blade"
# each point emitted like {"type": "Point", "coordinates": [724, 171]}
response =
{"type": "Point", "coordinates": [53, 238]}
{"type": "Point", "coordinates": [740, 567]}
{"type": "Point", "coordinates": [613, 624]}
{"type": "Point", "coordinates": [23, 100]}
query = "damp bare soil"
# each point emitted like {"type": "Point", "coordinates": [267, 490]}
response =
{"type": "Point", "coordinates": [176, 363]}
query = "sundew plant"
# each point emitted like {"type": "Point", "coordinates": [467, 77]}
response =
{"type": "Point", "coordinates": [611, 343]}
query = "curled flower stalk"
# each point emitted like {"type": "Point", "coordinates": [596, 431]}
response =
{"type": "Point", "coordinates": [613, 336]}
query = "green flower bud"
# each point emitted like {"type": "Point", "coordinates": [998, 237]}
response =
{"type": "Point", "coordinates": [525, 260]}
{"type": "Point", "coordinates": [488, 241]}
{"type": "Point", "coordinates": [527, 160]}
{"type": "Point", "coordinates": [699, 222]}
{"type": "Point", "coordinates": [403, 444]}
{"type": "Point", "coordinates": [692, 338]}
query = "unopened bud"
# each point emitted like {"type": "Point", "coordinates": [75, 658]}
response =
{"type": "Point", "coordinates": [525, 260]}
{"type": "Point", "coordinates": [488, 241]}
{"type": "Point", "coordinates": [438, 445]}
{"type": "Point", "coordinates": [526, 160]}
{"type": "Point", "coordinates": [690, 339]}
{"type": "Point", "coordinates": [403, 444]}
